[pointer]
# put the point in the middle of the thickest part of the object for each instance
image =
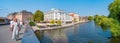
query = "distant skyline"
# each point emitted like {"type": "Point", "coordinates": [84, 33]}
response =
{"type": "Point", "coordinates": [82, 7]}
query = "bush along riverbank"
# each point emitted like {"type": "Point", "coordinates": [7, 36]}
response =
{"type": "Point", "coordinates": [106, 23]}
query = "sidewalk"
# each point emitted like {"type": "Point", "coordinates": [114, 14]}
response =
{"type": "Point", "coordinates": [5, 35]}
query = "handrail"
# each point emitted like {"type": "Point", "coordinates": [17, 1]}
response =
{"type": "Point", "coordinates": [29, 36]}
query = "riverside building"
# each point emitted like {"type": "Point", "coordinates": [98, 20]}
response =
{"type": "Point", "coordinates": [56, 14]}
{"type": "Point", "coordinates": [22, 15]}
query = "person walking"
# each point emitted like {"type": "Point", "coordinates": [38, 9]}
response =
{"type": "Point", "coordinates": [22, 24]}
{"type": "Point", "coordinates": [15, 28]}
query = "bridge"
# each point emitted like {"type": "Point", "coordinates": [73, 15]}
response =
{"type": "Point", "coordinates": [26, 35]}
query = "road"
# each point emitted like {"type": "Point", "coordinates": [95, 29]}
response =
{"type": "Point", "coordinates": [5, 35]}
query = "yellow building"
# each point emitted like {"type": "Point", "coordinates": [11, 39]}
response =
{"type": "Point", "coordinates": [22, 16]}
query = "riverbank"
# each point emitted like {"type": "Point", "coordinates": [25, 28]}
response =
{"type": "Point", "coordinates": [56, 27]}
{"type": "Point", "coordinates": [87, 32]}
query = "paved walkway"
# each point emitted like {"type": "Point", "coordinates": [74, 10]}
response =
{"type": "Point", "coordinates": [5, 35]}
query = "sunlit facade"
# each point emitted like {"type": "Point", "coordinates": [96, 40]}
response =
{"type": "Point", "coordinates": [74, 16]}
{"type": "Point", "coordinates": [56, 14]}
{"type": "Point", "coordinates": [22, 16]}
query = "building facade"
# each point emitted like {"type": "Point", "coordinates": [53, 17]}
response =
{"type": "Point", "coordinates": [22, 16]}
{"type": "Point", "coordinates": [75, 17]}
{"type": "Point", "coordinates": [56, 14]}
{"type": "Point", "coordinates": [11, 15]}
{"type": "Point", "coordinates": [83, 18]}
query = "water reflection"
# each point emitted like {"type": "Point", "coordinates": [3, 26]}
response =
{"type": "Point", "coordinates": [115, 40]}
{"type": "Point", "coordinates": [103, 27]}
{"type": "Point", "coordinates": [39, 34]}
{"type": "Point", "coordinates": [81, 33]}
{"type": "Point", "coordinates": [52, 36]}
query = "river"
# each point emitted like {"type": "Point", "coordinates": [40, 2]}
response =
{"type": "Point", "coordinates": [87, 32]}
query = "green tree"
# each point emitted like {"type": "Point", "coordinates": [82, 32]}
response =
{"type": "Point", "coordinates": [90, 18]}
{"type": "Point", "coordinates": [114, 16]}
{"type": "Point", "coordinates": [38, 16]}
{"type": "Point", "coordinates": [106, 23]}
{"type": "Point", "coordinates": [95, 17]}
{"type": "Point", "coordinates": [114, 9]}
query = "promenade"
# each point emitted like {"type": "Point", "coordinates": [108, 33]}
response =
{"type": "Point", "coordinates": [5, 35]}
{"type": "Point", "coordinates": [62, 26]}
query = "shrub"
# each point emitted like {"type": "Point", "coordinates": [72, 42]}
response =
{"type": "Point", "coordinates": [75, 20]}
{"type": "Point", "coordinates": [52, 21]}
{"type": "Point", "coordinates": [31, 23]}
{"type": "Point", "coordinates": [59, 22]}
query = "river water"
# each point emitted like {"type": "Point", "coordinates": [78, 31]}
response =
{"type": "Point", "coordinates": [81, 33]}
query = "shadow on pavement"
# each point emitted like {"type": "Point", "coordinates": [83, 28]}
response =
{"type": "Point", "coordinates": [19, 39]}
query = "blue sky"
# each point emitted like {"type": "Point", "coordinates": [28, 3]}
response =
{"type": "Point", "coordinates": [82, 7]}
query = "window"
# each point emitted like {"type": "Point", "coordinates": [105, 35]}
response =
{"type": "Point", "coordinates": [2, 20]}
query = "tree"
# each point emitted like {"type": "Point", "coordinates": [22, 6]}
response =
{"type": "Point", "coordinates": [90, 18]}
{"type": "Point", "coordinates": [106, 23]}
{"type": "Point", "coordinates": [38, 16]}
{"type": "Point", "coordinates": [114, 9]}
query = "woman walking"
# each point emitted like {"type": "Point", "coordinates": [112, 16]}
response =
{"type": "Point", "coordinates": [15, 28]}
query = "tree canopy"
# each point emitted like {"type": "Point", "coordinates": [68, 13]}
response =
{"type": "Point", "coordinates": [38, 16]}
{"type": "Point", "coordinates": [90, 18]}
{"type": "Point", "coordinates": [114, 9]}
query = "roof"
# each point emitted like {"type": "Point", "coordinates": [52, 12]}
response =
{"type": "Point", "coordinates": [23, 11]}
{"type": "Point", "coordinates": [3, 18]}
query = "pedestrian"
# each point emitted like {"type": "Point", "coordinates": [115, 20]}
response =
{"type": "Point", "coordinates": [21, 24]}
{"type": "Point", "coordinates": [11, 23]}
{"type": "Point", "coordinates": [15, 28]}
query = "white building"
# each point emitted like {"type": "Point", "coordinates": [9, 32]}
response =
{"type": "Point", "coordinates": [56, 14]}
{"type": "Point", "coordinates": [75, 17]}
